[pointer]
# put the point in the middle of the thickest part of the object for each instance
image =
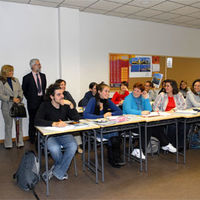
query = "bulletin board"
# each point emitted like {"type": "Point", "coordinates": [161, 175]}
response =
{"type": "Point", "coordinates": [183, 68]}
{"type": "Point", "coordinates": [119, 69]}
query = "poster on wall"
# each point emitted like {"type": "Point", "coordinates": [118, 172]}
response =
{"type": "Point", "coordinates": [155, 63]}
{"type": "Point", "coordinates": [140, 66]}
{"type": "Point", "coordinates": [119, 69]}
{"type": "Point", "coordinates": [156, 80]}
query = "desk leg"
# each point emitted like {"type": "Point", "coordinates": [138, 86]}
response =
{"type": "Point", "coordinates": [39, 151]}
{"type": "Point", "coordinates": [96, 157]}
{"type": "Point", "coordinates": [46, 164]}
{"type": "Point", "coordinates": [124, 147]}
{"type": "Point", "coordinates": [129, 146]}
{"type": "Point", "coordinates": [83, 157]}
{"type": "Point", "coordinates": [184, 142]}
{"type": "Point", "coordinates": [176, 141]}
{"type": "Point", "coordinates": [145, 130]}
{"type": "Point", "coordinates": [140, 146]}
{"type": "Point", "coordinates": [102, 157]}
{"type": "Point", "coordinates": [89, 150]}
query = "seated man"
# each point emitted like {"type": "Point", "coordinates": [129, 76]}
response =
{"type": "Point", "coordinates": [53, 112]}
{"type": "Point", "coordinates": [88, 95]}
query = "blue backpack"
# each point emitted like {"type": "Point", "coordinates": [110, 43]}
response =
{"type": "Point", "coordinates": [194, 137]}
{"type": "Point", "coordinates": [27, 175]}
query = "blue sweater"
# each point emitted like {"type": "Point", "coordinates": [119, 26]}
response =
{"type": "Point", "coordinates": [84, 101]}
{"type": "Point", "coordinates": [130, 106]}
{"type": "Point", "coordinates": [89, 110]}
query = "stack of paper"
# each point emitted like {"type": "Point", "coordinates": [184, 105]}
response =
{"type": "Point", "coordinates": [190, 112]}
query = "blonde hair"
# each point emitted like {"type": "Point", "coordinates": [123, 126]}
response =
{"type": "Point", "coordinates": [5, 69]}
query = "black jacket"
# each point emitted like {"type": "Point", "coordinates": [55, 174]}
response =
{"type": "Point", "coordinates": [29, 88]}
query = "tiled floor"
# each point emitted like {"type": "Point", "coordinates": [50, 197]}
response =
{"type": "Point", "coordinates": [164, 180]}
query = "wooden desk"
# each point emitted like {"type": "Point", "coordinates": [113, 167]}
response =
{"type": "Point", "coordinates": [159, 121]}
{"type": "Point", "coordinates": [46, 133]}
{"type": "Point", "coordinates": [188, 119]}
{"type": "Point", "coordinates": [132, 123]}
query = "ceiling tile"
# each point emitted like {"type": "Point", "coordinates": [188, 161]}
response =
{"type": "Point", "coordinates": [136, 17]}
{"type": "Point", "coordinates": [185, 2]}
{"type": "Point", "coordinates": [165, 16]}
{"type": "Point", "coordinates": [128, 9]}
{"type": "Point", "coordinates": [119, 1]}
{"type": "Point", "coordinates": [71, 6]}
{"type": "Point", "coordinates": [197, 5]}
{"type": "Point", "coordinates": [105, 5]}
{"type": "Point", "coordinates": [52, 1]}
{"type": "Point", "coordinates": [17, 1]}
{"type": "Point", "coordinates": [154, 20]}
{"type": "Point", "coordinates": [196, 14]}
{"type": "Point", "coordinates": [167, 6]}
{"type": "Point", "coordinates": [117, 14]}
{"type": "Point", "coordinates": [97, 11]}
{"type": "Point", "coordinates": [145, 3]}
{"type": "Point", "coordinates": [148, 13]}
{"type": "Point", "coordinates": [185, 10]}
{"type": "Point", "coordinates": [80, 3]}
{"type": "Point", "coordinates": [44, 3]}
{"type": "Point", "coordinates": [182, 19]}
{"type": "Point", "coordinates": [196, 22]}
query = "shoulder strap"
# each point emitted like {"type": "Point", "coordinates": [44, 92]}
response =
{"type": "Point", "coordinates": [34, 193]}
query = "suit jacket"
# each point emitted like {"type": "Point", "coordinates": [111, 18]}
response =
{"type": "Point", "coordinates": [31, 92]}
{"type": "Point", "coordinates": [6, 92]}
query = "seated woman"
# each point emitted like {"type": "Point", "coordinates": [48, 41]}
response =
{"type": "Point", "coordinates": [193, 96]}
{"type": "Point", "coordinates": [137, 103]}
{"type": "Point", "coordinates": [149, 88]}
{"type": "Point", "coordinates": [183, 88]}
{"type": "Point", "coordinates": [69, 101]}
{"type": "Point", "coordinates": [163, 84]}
{"type": "Point", "coordinates": [88, 95]}
{"type": "Point", "coordinates": [170, 100]}
{"type": "Point", "coordinates": [101, 107]}
{"type": "Point", "coordinates": [118, 97]}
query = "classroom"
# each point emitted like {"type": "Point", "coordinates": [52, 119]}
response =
{"type": "Point", "coordinates": [73, 40]}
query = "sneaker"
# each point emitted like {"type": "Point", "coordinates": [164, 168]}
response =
{"type": "Point", "coordinates": [169, 148]}
{"type": "Point", "coordinates": [50, 174]}
{"type": "Point", "coordinates": [80, 150]}
{"type": "Point", "coordinates": [65, 177]}
{"type": "Point", "coordinates": [136, 153]}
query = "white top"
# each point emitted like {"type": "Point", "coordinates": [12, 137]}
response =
{"type": "Point", "coordinates": [192, 100]}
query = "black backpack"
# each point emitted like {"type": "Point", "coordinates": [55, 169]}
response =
{"type": "Point", "coordinates": [27, 175]}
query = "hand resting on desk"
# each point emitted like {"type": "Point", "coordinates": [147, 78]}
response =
{"type": "Point", "coordinates": [59, 124]}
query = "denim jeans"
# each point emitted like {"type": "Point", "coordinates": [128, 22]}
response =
{"type": "Point", "coordinates": [62, 159]}
{"type": "Point", "coordinates": [108, 136]}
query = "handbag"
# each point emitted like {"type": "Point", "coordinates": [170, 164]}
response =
{"type": "Point", "coordinates": [18, 110]}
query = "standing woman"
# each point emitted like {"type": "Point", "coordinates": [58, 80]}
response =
{"type": "Point", "coordinates": [69, 101]}
{"type": "Point", "coordinates": [10, 92]}
{"type": "Point", "coordinates": [101, 107]}
{"type": "Point", "coordinates": [193, 96]}
{"type": "Point", "coordinates": [170, 100]}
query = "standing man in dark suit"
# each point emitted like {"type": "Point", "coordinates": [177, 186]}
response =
{"type": "Point", "coordinates": [34, 85]}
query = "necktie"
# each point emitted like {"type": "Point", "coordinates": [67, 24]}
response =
{"type": "Point", "coordinates": [38, 84]}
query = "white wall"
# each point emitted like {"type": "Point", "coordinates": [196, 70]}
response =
{"type": "Point", "coordinates": [79, 51]}
{"type": "Point", "coordinates": [101, 35]}
{"type": "Point", "coordinates": [70, 50]}
{"type": "Point", "coordinates": [26, 32]}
